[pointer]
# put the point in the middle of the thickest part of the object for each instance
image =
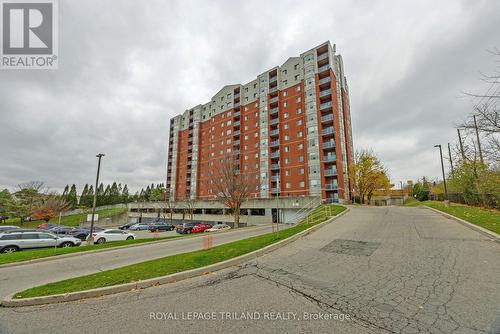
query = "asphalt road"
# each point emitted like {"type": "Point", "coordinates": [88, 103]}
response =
{"type": "Point", "coordinates": [18, 278]}
{"type": "Point", "coordinates": [381, 270]}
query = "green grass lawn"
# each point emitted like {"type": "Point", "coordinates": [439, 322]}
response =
{"type": "Point", "coordinates": [72, 220]}
{"type": "Point", "coordinates": [27, 255]}
{"type": "Point", "coordinates": [175, 263]}
{"type": "Point", "coordinates": [487, 218]}
{"type": "Point", "coordinates": [410, 201]}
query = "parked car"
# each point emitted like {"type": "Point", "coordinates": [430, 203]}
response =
{"type": "Point", "coordinates": [83, 232]}
{"type": "Point", "coordinates": [14, 241]}
{"type": "Point", "coordinates": [200, 228]}
{"type": "Point", "coordinates": [60, 229]}
{"type": "Point", "coordinates": [8, 228]}
{"type": "Point", "coordinates": [160, 226]}
{"type": "Point", "coordinates": [112, 235]}
{"type": "Point", "coordinates": [46, 226]}
{"type": "Point", "coordinates": [185, 228]}
{"type": "Point", "coordinates": [218, 227]}
{"type": "Point", "coordinates": [139, 227]}
{"type": "Point", "coordinates": [127, 225]}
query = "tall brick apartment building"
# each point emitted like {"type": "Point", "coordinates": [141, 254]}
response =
{"type": "Point", "coordinates": [291, 126]}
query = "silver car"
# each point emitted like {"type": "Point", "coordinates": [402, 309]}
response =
{"type": "Point", "coordinates": [14, 241]}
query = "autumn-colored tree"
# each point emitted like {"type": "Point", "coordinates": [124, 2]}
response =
{"type": "Point", "coordinates": [367, 174]}
{"type": "Point", "coordinates": [49, 207]}
{"type": "Point", "coordinates": [230, 186]}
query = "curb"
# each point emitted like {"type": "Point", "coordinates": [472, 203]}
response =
{"type": "Point", "coordinates": [9, 301]}
{"type": "Point", "coordinates": [64, 256]}
{"type": "Point", "coordinates": [482, 230]}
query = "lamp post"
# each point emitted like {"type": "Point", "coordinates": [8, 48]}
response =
{"type": "Point", "coordinates": [446, 200]}
{"type": "Point", "coordinates": [91, 238]}
{"type": "Point", "coordinates": [402, 193]}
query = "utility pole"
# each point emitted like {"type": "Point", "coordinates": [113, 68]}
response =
{"type": "Point", "coordinates": [449, 156]}
{"type": "Point", "coordinates": [446, 201]}
{"type": "Point", "coordinates": [402, 193]}
{"type": "Point", "coordinates": [461, 145]}
{"type": "Point", "coordinates": [478, 141]}
{"type": "Point", "coordinates": [90, 237]}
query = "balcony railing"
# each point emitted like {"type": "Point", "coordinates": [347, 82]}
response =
{"type": "Point", "coordinates": [237, 123]}
{"type": "Point", "coordinates": [274, 99]}
{"type": "Point", "coordinates": [275, 178]}
{"type": "Point", "coordinates": [323, 56]}
{"type": "Point", "coordinates": [325, 92]}
{"type": "Point", "coordinates": [273, 79]}
{"type": "Point", "coordinates": [327, 118]}
{"type": "Point", "coordinates": [331, 186]}
{"type": "Point", "coordinates": [325, 105]}
{"type": "Point", "coordinates": [237, 95]}
{"type": "Point", "coordinates": [275, 166]}
{"type": "Point", "coordinates": [275, 190]}
{"type": "Point", "coordinates": [275, 154]}
{"type": "Point", "coordinates": [330, 157]}
{"type": "Point", "coordinates": [327, 131]}
{"type": "Point", "coordinates": [274, 132]}
{"type": "Point", "coordinates": [273, 111]}
{"type": "Point", "coordinates": [236, 133]}
{"type": "Point", "coordinates": [236, 142]}
{"type": "Point", "coordinates": [237, 105]}
{"type": "Point", "coordinates": [274, 121]}
{"type": "Point", "coordinates": [274, 143]}
{"type": "Point", "coordinates": [324, 67]}
{"type": "Point", "coordinates": [329, 144]}
{"type": "Point", "coordinates": [330, 172]}
{"type": "Point", "coordinates": [324, 80]}
{"type": "Point", "coordinates": [237, 114]}
{"type": "Point", "coordinates": [272, 90]}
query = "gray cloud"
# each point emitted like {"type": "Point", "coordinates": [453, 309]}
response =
{"type": "Point", "coordinates": [126, 67]}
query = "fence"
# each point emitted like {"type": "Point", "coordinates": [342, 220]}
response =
{"type": "Point", "coordinates": [486, 200]}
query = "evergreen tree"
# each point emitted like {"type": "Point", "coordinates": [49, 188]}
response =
{"type": "Point", "coordinates": [100, 195]}
{"type": "Point", "coordinates": [72, 198]}
{"type": "Point", "coordinates": [107, 195]}
{"type": "Point", "coordinates": [114, 194]}
{"type": "Point", "coordinates": [65, 193]}
{"type": "Point", "coordinates": [125, 196]}
{"type": "Point", "coordinates": [89, 200]}
{"type": "Point", "coordinates": [83, 196]}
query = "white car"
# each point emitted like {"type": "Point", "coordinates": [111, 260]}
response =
{"type": "Point", "coordinates": [112, 235]}
{"type": "Point", "coordinates": [218, 227]}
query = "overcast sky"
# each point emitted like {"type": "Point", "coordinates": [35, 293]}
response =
{"type": "Point", "coordinates": [126, 67]}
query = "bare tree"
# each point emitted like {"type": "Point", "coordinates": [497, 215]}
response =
{"type": "Point", "coordinates": [189, 204]}
{"type": "Point", "coordinates": [170, 205]}
{"type": "Point", "coordinates": [230, 186]}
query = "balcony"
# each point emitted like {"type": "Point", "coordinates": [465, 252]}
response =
{"type": "Point", "coordinates": [329, 158]}
{"type": "Point", "coordinates": [274, 132]}
{"type": "Point", "coordinates": [275, 190]}
{"type": "Point", "coordinates": [327, 118]}
{"type": "Point", "coordinates": [326, 92]}
{"type": "Point", "coordinates": [273, 111]}
{"type": "Point", "coordinates": [328, 144]}
{"type": "Point", "coordinates": [236, 152]}
{"type": "Point", "coordinates": [236, 96]}
{"type": "Point", "coordinates": [237, 114]}
{"type": "Point", "coordinates": [236, 142]}
{"type": "Point", "coordinates": [275, 178]}
{"type": "Point", "coordinates": [323, 56]}
{"type": "Point", "coordinates": [274, 121]}
{"type": "Point", "coordinates": [236, 124]}
{"type": "Point", "coordinates": [327, 131]}
{"type": "Point", "coordinates": [273, 90]}
{"type": "Point", "coordinates": [324, 80]}
{"type": "Point", "coordinates": [324, 68]}
{"type": "Point", "coordinates": [330, 186]}
{"type": "Point", "coordinates": [275, 154]}
{"type": "Point", "coordinates": [275, 166]}
{"type": "Point", "coordinates": [236, 105]}
{"type": "Point", "coordinates": [273, 79]}
{"type": "Point", "coordinates": [274, 143]}
{"type": "Point", "coordinates": [326, 105]}
{"type": "Point", "coordinates": [236, 133]}
{"type": "Point", "coordinates": [273, 100]}
{"type": "Point", "coordinates": [331, 172]}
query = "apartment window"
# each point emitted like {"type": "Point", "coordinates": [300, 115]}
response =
{"type": "Point", "coordinates": [301, 184]}
{"type": "Point", "coordinates": [296, 66]}
{"type": "Point", "coordinates": [222, 98]}
{"type": "Point", "coordinates": [299, 122]}
{"type": "Point", "coordinates": [246, 157]}
{"type": "Point", "coordinates": [228, 141]}
{"type": "Point", "coordinates": [299, 111]}
{"type": "Point", "coordinates": [287, 172]}
{"type": "Point", "coordinates": [255, 134]}
{"type": "Point", "coordinates": [287, 149]}
{"type": "Point", "coordinates": [300, 146]}
{"type": "Point", "coordinates": [285, 82]}
{"type": "Point", "coordinates": [228, 132]}
{"type": "Point", "coordinates": [287, 161]}
{"type": "Point", "coordinates": [245, 147]}
{"type": "Point", "coordinates": [256, 145]}
{"type": "Point", "coordinates": [246, 137]}
{"type": "Point", "coordinates": [285, 115]}
{"type": "Point", "coordinates": [285, 72]}
{"type": "Point", "coordinates": [298, 100]}
{"type": "Point", "coordinates": [299, 134]}
{"type": "Point", "coordinates": [285, 104]}
{"type": "Point", "coordinates": [285, 93]}
{"type": "Point", "coordinates": [301, 158]}
{"type": "Point", "coordinates": [301, 171]}
{"type": "Point", "coordinates": [246, 108]}
{"type": "Point", "coordinates": [285, 126]}
{"type": "Point", "coordinates": [287, 137]}
{"type": "Point", "coordinates": [297, 77]}
{"type": "Point", "coordinates": [288, 185]}
{"type": "Point", "coordinates": [228, 123]}
{"type": "Point", "coordinates": [297, 88]}
{"type": "Point", "coordinates": [256, 155]}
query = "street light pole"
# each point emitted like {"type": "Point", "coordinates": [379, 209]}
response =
{"type": "Point", "coordinates": [402, 193]}
{"type": "Point", "coordinates": [91, 238]}
{"type": "Point", "coordinates": [446, 200]}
